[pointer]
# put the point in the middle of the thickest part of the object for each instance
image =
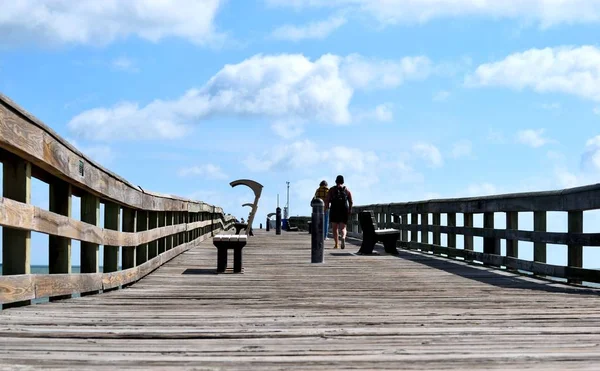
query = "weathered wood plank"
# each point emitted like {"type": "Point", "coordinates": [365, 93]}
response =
{"type": "Point", "coordinates": [90, 214]}
{"type": "Point", "coordinates": [47, 285]}
{"type": "Point", "coordinates": [59, 248]}
{"type": "Point", "coordinates": [16, 288]}
{"type": "Point", "coordinates": [112, 221]}
{"type": "Point", "coordinates": [16, 185]}
{"type": "Point", "coordinates": [22, 216]}
{"type": "Point", "coordinates": [415, 310]}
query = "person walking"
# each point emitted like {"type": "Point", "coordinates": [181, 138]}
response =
{"type": "Point", "coordinates": [339, 202]}
{"type": "Point", "coordinates": [321, 193]}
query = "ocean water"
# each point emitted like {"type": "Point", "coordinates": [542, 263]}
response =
{"type": "Point", "coordinates": [43, 269]}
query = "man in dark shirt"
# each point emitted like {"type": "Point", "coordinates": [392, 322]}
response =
{"type": "Point", "coordinates": [339, 203]}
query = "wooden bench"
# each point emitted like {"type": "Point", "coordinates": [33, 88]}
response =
{"type": "Point", "coordinates": [229, 242]}
{"type": "Point", "coordinates": [239, 227]}
{"type": "Point", "coordinates": [372, 235]}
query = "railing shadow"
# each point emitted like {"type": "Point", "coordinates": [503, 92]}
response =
{"type": "Point", "coordinates": [489, 276]}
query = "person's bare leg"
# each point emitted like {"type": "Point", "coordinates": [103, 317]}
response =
{"type": "Point", "coordinates": [335, 235]}
{"type": "Point", "coordinates": [343, 237]}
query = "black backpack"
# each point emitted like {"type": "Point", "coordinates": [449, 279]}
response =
{"type": "Point", "coordinates": [340, 198]}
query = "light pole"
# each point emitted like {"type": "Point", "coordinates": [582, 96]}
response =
{"type": "Point", "coordinates": [287, 207]}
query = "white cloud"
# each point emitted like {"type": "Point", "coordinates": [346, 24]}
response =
{"type": "Point", "coordinates": [545, 12]}
{"type": "Point", "coordinates": [533, 138]}
{"type": "Point", "coordinates": [381, 113]}
{"type": "Point", "coordinates": [462, 148]}
{"type": "Point", "coordinates": [128, 121]}
{"type": "Point", "coordinates": [371, 73]}
{"type": "Point", "coordinates": [124, 64]}
{"type": "Point", "coordinates": [441, 96]}
{"type": "Point", "coordinates": [206, 170]}
{"type": "Point", "coordinates": [103, 155]}
{"type": "Point", "coordinates": [288, 129]}
{"type": "Point", "coordinates": [482, 189]}
{"type": "Point", "coordinates": [591, 155]}
{"type": "Point", "coordinates": [306, 154]}
{"type": "Point", "coordinates": [597, 111]}
{"type": "Point", "coordinates": [281, 87]}
{"type": "Point", "coordinates": [564, 69]}
{"type": "Point", "coordinates": [314, 30]}
{"type": "Point", "coordinates": [430, 153]}
{"type": "Point", "coordinates": [102, 22]}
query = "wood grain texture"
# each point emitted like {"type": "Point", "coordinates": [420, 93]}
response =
{"type": "Point", "coordinates": [414, 312]}
{"type": "Point", "coordinates": [28, 217]}
{"type": "Point", "coordinates": [16, 288]}
{"type": "Point", "coordinates": [37, 286]}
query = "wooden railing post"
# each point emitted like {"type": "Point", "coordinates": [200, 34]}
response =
{"type": "Point", "coordinates": [112, 219]}
{"type": "Point", "coordinates": [129, 225]}
{"type": "Point", "coordinates": [451, 221]}
{"type": "Point", "coordinates": [90, 213]}
{"type": "Point", "coordinates": [404, 233]}
{"type": "Point", "coordinates": [575, 253]}
{"type": "Point", "coordinates": [141, 255]}
{"type": "Point", "coordinates": [152, 224]}
{"type": "Point", "coordinates": [437, 236]}
{"type": "Point", "coordinates": [16, 243]}
{"type": "Point", "coordinates": [170, 221]}
{"type": "Point", "coordinates": [59, 248]}
{"type": "Point", "coordinates": [491, 245]}
{"type": "Point", "coordinates": [512, 223]}
{"type": "Point", "coordinates": [414, 219]}
{"type": "Point", "coordinates": [539, 225]}
{"type": "Point", "coordinates": [468, 239]}
{"type": "Point", "coordinates": [162, 221]}
{"type": "Point", "coordinates": [424, 232]}
{"type": "Point", "coordinates": [176, 221]}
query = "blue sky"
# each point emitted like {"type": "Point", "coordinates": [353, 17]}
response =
{"type": "Point", "coordinates": [409, 100]}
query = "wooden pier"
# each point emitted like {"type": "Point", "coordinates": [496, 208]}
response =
{"type": "Point", "coordinates": [413, 311]}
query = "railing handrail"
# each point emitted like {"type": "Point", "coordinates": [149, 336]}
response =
{"type": "Point", "coordinates": [571, 200]}
{"type": "Point", "coordinates": [29, 138]}
{"type": "Point", "coordinates": [152, 228]}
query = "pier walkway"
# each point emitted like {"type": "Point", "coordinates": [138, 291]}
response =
{"type": "Point", "coordinates": [414, 311]}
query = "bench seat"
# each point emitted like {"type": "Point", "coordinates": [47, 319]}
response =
{"type": "Point", "coordinates": [387, 231]}
{"type": "Point", "coordinates": [224, 242]}
{"type": "Point", "coordinates": [371, 235]}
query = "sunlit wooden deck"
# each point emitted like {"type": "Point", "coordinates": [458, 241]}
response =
{"type": "Point", "coordinates": [408, 312]}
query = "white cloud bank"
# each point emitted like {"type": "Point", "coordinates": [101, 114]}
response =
{"type": "Point", "coordinates": [279, 87]}
{"type": "Point", "coordinates": [314, 30]}
{"type": "Point", "coordinates": [566, 69]}
{"type": "Point", "coordinates": [546, 13]}
{"type": "Point", "coordinates": [102, 22]}
{"type": "Point", "coordinates": [209, 171]}
{"type": "Point", "coordinates": [533, 138]}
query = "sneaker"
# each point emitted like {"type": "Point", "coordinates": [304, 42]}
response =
{"type": "Point", "coordinates": [343, 243]}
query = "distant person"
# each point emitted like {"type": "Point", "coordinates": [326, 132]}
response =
{"type": "Point", "coordinates": [339, 202]}
{"type": "Point", "coordinates": [321, 193]}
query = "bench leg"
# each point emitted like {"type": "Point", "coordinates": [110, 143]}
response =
{"type": "Point", "coordinates": [367, 245]}
{"type": "Point", "coordinates": [221, 260]}
{"type": "Point", "coordinates": [237, 260]}
{"type": "Point", "coordinates": [390, 245]}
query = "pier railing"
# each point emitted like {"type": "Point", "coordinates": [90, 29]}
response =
{"type": "Point", "coordinates": [142, 230]}
{"type": "Point", "coordinates": [421, 229]}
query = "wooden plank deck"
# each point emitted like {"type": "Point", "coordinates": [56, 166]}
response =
{"type": "Point", "coordinates": [385, 312]}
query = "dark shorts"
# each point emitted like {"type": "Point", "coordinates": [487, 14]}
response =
{"type": "Point", "coordinates": [338, 216]}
